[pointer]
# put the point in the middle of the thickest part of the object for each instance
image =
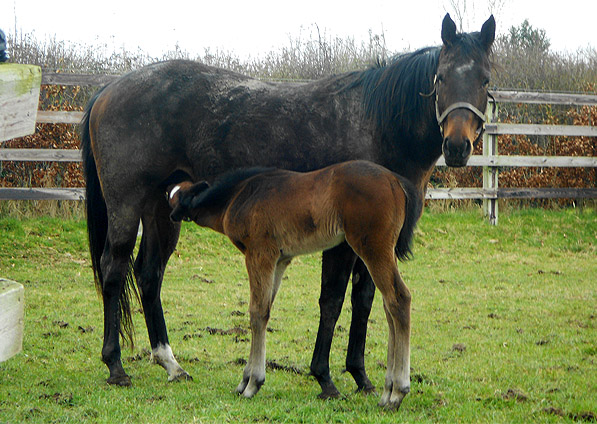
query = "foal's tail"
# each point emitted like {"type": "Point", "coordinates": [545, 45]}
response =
{"type": "Point", "coordinates": [414, 208]}
{"type": "Point", "coordinates": [97, 225]}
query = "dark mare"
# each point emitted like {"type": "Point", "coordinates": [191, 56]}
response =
{"type": "Point", "coordinates": [273, 215]}
{"type": "Point", "coordinates": [182, 120]}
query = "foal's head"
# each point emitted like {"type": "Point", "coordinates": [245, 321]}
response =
{"type": "Point", "coordinates": [181, 197]}
{"type": "Point", "coordinates": [461, 84]}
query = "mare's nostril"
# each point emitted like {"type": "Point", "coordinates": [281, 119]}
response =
{"type": "Point", "coordinates": [467, 148]}
{"type": "Point", "coordinates": [446, 146]}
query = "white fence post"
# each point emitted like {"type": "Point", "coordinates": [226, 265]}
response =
{"type": "Point", "coordinates": [490, 173]}
{"type": "Point", "coordinates": [11, 318]}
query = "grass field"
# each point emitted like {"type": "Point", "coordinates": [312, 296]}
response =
{"type": "Point", "coordinates": [504, 329]}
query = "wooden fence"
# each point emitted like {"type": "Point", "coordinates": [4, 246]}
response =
{"type": "Point", "coordinates": [490, 160]}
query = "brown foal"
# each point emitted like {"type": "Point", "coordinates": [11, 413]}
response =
{"type": "Point", "coordinates": [273, 215]}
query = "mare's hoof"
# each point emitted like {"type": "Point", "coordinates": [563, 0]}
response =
{"type": "Point", "coordinates": [119, 380]}
{"type": "Point", "coordinates": [184, 376]}
{"type": "Point", "coordinates": [329, 394]}
{"type": "Point", "coordinates": [368, 390]}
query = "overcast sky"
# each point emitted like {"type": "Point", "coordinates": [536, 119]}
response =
{"type": "Point", "coordinates": [256, 27]}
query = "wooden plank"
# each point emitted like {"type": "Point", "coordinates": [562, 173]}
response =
{"type": "Point", "coordinates": [533, 161]}
{"type": "Point", "coordinates": [536, 129]}
{"type": "Point", "coordinates": [432, 194]}
{"type": "Point", "coordinates": [59, 117]}
{"type": "Point", "coordinates": [510, 193]}
{"type": "Point", "coordinates": [571, 99]}
{"type": "Point", "coordinates": [60, 78]}
{"type": "Point", "coordinates": [22, 193]}
{"type": "Point", "coordinates": [19, 95]}
{"type": "Point", "coordinates": [72, 155]}
{"type": "Point", "coordinates": [12, 300]}
{"type": "Point", "coordinates": [547, 193]}
{"type": "Point", "coordinates": [40, 155]}
{"type": "Point", "coordinates": [460, 193]}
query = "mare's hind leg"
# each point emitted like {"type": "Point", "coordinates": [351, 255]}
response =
{"type": "Point", "coordinates": [363, 291]}
{"type": "Point", "coordinates": [337, 264]}
{"type": "Point", "coordinates": [115, 266]}
{"type": "Point", "coordinates": [158, 241]}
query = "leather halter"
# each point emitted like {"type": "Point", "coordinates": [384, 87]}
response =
{"type": "Point", "coordinates": [459, 105]}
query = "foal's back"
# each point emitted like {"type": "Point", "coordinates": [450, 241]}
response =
{"type": "Point", "coordinates": [297, 213]}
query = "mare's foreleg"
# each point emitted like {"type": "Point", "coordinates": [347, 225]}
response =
{"type": "Point", "coordinates": [159, 239]}
{"type": "Point", "coordinates": [337, 264]}
{"type": "Point", "coordinates": [363, 291]}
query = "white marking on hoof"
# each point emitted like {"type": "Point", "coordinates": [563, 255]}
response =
{"type": "Point", "coordinates": [163, 356]}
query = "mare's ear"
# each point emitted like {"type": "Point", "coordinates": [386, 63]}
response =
{"type": "Point", "coordinates": [448, 31]}
{"type": "Point", "coordinates": [488, 33]}
{"type": "Point", "coordinates": [184, 199]}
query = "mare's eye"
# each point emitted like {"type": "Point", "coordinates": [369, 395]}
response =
{"type": "Point", "coordinates": [486, 83]}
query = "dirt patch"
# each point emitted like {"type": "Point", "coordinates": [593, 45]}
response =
{"type": "Point", "coordinates": [515, 394]}
{"type": "Point", "coordinates": [232, 331]}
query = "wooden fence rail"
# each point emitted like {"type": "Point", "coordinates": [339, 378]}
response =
{"type": "Point", "coordinates": [490, 160]}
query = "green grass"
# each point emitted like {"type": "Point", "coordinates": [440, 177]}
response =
{"type": "Point", "coordinates": [504, 329]}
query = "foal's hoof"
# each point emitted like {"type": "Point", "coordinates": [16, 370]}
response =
{"type": "Point", "coordinates": [392, 405]}
{"type": "Point", "coordinates": [119, 380]}
{"type": "Point", "coordinates": [183, 376]}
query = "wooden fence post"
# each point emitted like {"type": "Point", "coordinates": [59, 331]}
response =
{"type": "Point", "coordinates": [19, 95]}
{"type": "Point", "coordinates": [11, 318]}
{"type": "Point", "coordinates": [490, 173]}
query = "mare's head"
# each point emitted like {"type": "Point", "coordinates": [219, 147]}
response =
{"type": "Point", "coordinates": [461, 84]}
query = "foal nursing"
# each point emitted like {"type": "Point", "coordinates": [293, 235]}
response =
{"type": "Point", "coordinates": [273, 215]}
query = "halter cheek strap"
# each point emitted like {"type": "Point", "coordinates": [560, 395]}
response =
{"type": "Point", "coordinates": [459, 105]}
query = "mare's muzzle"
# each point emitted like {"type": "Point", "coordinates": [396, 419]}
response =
{"type": "Point", "coordinates": [457, 145]}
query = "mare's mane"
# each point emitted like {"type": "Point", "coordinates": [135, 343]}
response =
{"type": "Point", "coordinates": [397, 95]}
{"type": "Point", "coordinates": [393, 94]}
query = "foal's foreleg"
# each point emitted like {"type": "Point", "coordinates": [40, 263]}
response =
{"type": "Point", "coordinates": [261, 270]}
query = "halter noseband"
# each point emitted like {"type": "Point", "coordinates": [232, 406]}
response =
{"type": "Point", "coordinates": [459, 105]}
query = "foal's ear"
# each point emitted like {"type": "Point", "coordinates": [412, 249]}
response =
{"type": "Point", "coordinates": [182, 199]}
{"type": "Point", "coordinates": [488, 32]}
{"type": "Point", "coordinates": [448, 31]}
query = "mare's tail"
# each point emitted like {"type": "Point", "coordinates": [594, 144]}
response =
{"type": "Point", "coordinates": [414, 208]}
{"type": "Point", "coordinates": [97, 226]}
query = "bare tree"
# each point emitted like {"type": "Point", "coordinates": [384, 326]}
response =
{"type": "Point", "coordinates": [465, 12]}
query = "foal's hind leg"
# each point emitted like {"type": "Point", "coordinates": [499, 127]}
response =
{"type": "Point", "coordinates": [396, 300]}
{"type": "Point", "coordinates": [337, 264]}
{"type": "Point", "coordinates": [159, 239]}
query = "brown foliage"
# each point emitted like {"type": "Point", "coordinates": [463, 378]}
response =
{"type": "Point", "coordinates": [536, 177]}
{"type": "Point", "coordinates": [65, 136]}
{"type": "Point", "coordinates": [47, 136]}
